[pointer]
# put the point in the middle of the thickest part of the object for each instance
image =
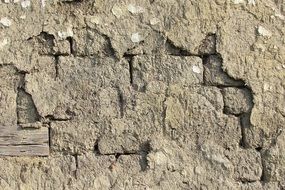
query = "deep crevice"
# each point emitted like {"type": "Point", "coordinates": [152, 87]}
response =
{"type": "Point", "coordinates": [56, 57]}
{"type": "Point", "coordinates": [263, 175]}
{"type": "Point", "coordinates": [71, 45]}
{"type": "Point", "coordinates": [246, 181]}
{"type": "Point", "coordinates": [213, 63]}
{"type": "Point", "coordinates": [49, 137]}
{"type": "Point", "coordinates": [122, 102]}
{"type": "Point", "coordinates": [174, 50]}
{"type": "Point", "coordinates": [71, 2]}
{"type": "Point", "coordinates": [130, 59]}
{"type": "Point", "coordinates": [244, 121]}
{"type": "Point", "coordinates": [76, 165]}
{"type": "Point", "coordinates": [53, 118]}
{"type": "Point", "coordinates": [96, 148]}
{"type": "Point", "coordinates": [118, 154]}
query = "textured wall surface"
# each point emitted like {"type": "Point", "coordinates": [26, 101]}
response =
{"type": "Point", "coordinates": [144, 94]}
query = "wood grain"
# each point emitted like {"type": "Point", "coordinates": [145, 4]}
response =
{"type": "Point", "coordinates": [16, 141]}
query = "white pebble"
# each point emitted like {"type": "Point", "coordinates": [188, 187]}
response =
{"type": "Point", "coordinates": [263, 31]}
{"type": "Point", "coordinates": [26, 3]}
{"type": "Point", "coordinates": [6, 1]}
{"type": "Point", "coordinates": [135, 9]}
{"type": "Point", "coordinates": [117, 11]}
{"type": "Point", "coordinates": [238, 1]}
{"type": "Point", "coordinates": [266, 87]}
{"type": "Point", "coordinates": [64, 34]}
{"type": "Point", "coordinates": [95, 20]}
{"type": "Point", "coordinates": [43, 3]}
{"type": "Point", "coordinates": [196, 69]}
{"type": "Point", "coordinates": [251, 2]}
{"type": "Point", "coordinates": [5, 22]}
{"type": "Point", "coordinates": [154, 21]}
{"type": "Point", "coordinates": [279, 15]}
{"type": "Point", "coordinates": [136, 37]}
{"type": "Point", "coordinates": [23, 17]}
{"type": "Point", "coordinates": [16, 1]}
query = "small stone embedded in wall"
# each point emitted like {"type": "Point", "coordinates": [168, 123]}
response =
{"type": "Point", "coordinates": [118, 11]}
{"type": "Point", "coordinates": [23, 17]}
{"type": "Point", "coordinates": [136, 37]}
{"type": "Point", "coordinates": [26, 3]}
{"type": "Point", "coordinates": [5, 21]}
{"type": "Point", "coordinates": [251, 2]}
{"type": "Point", "coordinates": [65, 34]}
{"type": "Point", "coordinates": [196, 69]}
{"type": "Point", "coordinates": [262, 31]}
{"type": "Point", "coordinates": [154, 21]}
{"type": "Point", "coordinates": [237, 101]}
{"type": "Point", "coordinates": [134, 9]}
{"type": "Point", "coordinates": [238, 1]}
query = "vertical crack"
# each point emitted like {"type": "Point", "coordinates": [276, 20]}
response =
{"type": "Point", "coordinates": [96, 148]}
{"type": "Point", "coordinates": [76, 165]}
{"type": "Point", "coordinates": [245, 122]}
{"type": "Point", "coordinates": [56, 67]}
{"type": "Point", "coordinates": [215, 75]}
{"type": "Point", "coordinates": [71, 45]}
{"type": "Point", "coordinates": [130, 59]}
{"type": "Point", "coordinates": [204, 62]}
{"type": "Point", "coordinates": [49, 136]}
{"type": "Point", "coordinates": [263, 175]}
{"type": "Point", "coordinates": [122, 102]}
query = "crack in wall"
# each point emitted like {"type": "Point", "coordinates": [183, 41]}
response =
{"type": "Point", "coordinates": [71, 45]}
{"type": "Point", "coordinates": [130, 59]}
{"type": "Point", "coordinates": [212, 63]}
{"type": "Point", "coordinates": [173, 50]}
{"type": "Point", "coordinates": [76, 165]}
{"type": "Point", "coordinates": [122, 102]}
{"type": "Point", "coordinates": [143, 152]}
{"type": "Point", "coordinates": [56, 64]}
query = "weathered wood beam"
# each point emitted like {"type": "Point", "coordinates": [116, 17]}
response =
{"type": "Point", "coordinates": [16, 141]}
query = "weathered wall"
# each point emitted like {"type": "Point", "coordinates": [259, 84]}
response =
{"type": "Point", "coordinates": [145, 94]}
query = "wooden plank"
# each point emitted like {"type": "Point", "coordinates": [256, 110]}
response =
{"type": "Point", "coordinates": [16, 135]}
{"type": "Point", "coordinates": [24, 150]}
{"type": "Point", "coordinates": [16, 141]}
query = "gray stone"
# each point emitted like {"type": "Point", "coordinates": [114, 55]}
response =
{"type": "Point", "coordinates": [237, 101]}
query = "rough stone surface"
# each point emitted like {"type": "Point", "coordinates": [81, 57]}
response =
{"type": "Point", "coordinates": [237, 101]}
{"type": "Point", "coordinates": [150, 94]}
